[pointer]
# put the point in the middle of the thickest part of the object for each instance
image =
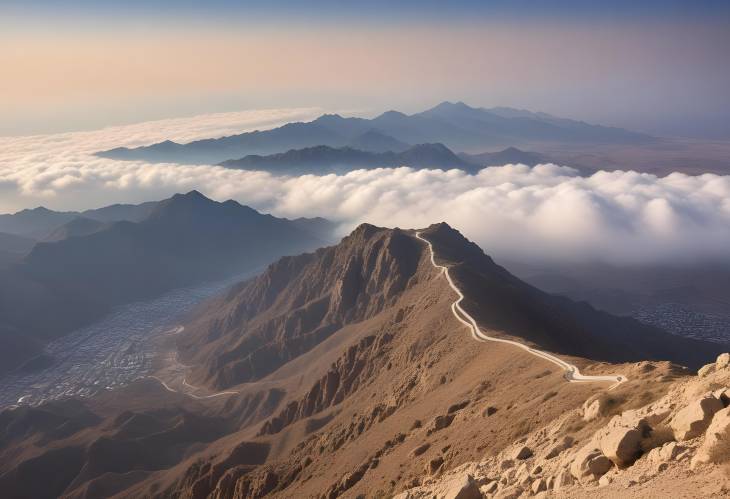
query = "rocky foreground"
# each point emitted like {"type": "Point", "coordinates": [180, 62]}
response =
{"type": "Point", "coordinates": [677, 446]}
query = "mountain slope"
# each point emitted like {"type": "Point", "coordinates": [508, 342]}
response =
{"type": "Point", "coordinates": [79, 226]}
{"type": "Point", "coordinates": [350, 376]}
{"type": "Point", "coordinates": [324, 159]}
{"type": "Point", "coordinates": [508, 156]}
{"type": "Point", "coordinates": [39, 223]}
{"type": "Point", "coordinates": [186, 239]}
{"type": "Point", "coordinates": [456, 125]}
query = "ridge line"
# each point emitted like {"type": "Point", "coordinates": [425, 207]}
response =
{"type": "Point", "coordinates": [572, 373]}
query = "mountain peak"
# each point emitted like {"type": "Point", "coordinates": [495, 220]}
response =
{"type": "Point", "coordinates": [193, 195]}
{"type": "Point", "coordinates": [392, 114]}
{"type": "Point", "coordinates": [447, 105]}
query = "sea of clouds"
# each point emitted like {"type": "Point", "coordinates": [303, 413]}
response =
{"type": "Point", "coordinates": [544, 213]}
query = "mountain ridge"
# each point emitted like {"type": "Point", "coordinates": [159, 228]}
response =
{"type": "Point", "coordinates": [458, 126]}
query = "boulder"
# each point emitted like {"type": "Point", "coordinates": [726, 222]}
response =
{"type": "Point", "coordinates": [559, 447]}
{"type": "Point", "coordinates": [522, 453]}
{"type": "Point", "coordinates": [620, 441]}
{"type": "Point", "coordinates": [420, 450]}
{"type": "Point", "coordinates": [539, 485]}
{"type": "Point", "coordinates": [723, 395]}
{"type": "Point", "coordinates": [706, 370]}
{"type": "Point", "coordinates": [506, 464]}
{"type": "Point", "coordinates": [694, 419]}
{"type": "Point", "coordinates": [589, 464]}
{"type": "Point", "coordinates": [592, 409]}
{"type": "Point", "coordinates": [457, 407]}
{"type": "Point", "coordinates": [461, 487]}
{"type": "Point", "coordinates": [716, 446]}
{"type": "Point", "coordinates": [670, 451]}
{"type": "Point", "coordinates": [723, 361]}
{"type": "Point", "coordinates": [489, 488]}
{"type": "Point", "coordinates": [434, 465]}
{"type": "Point", "coordinates": [564, 478]}
{"type": "Point", "coordinates": [509, 493]}
{"type": "Point", "coordinates": [439, 423]}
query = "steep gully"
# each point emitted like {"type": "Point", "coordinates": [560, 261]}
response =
{"type": "Point", "coordinates": [572, 373]}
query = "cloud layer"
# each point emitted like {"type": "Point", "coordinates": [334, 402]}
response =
{"type": "Point", "coordinates": [535, 214]}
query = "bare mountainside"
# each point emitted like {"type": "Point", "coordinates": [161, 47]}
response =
{"type": "Point", "coordinates": [257, 326]}
{"type": "Point", "coordinates": [345, 373]}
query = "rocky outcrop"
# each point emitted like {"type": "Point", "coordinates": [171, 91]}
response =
{"type": "Point", "coordinates": [693, 420]}
{"type": "Point", "coordinates": [344, 377]}
{"type": "Point", "coordinates": [589, 464]}
{"type": "Point", "coordinates": [297, 303]}
{"type": "Point", "coordinates": [687, 428]}
{"type": "Point", "coordinates": [620, 441]}
{"type": "Point", "coordinates": [716, 445]}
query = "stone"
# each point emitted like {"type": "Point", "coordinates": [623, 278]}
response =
{"type": "Point", "coordinates": [693, 420]}
{"type": "Point", "coordinates": [589, 464]}
{"type": "Point", "coordinates": [522, 453]}
{"type": "Point", "coordinates": [539, 485]}
{"type": "Point", "coordinates": [716, 446]}
{"type": "Point", "coordinates": [512, 492]}
{"type": "Point", "coordinates": [550, 482]}
{"type": "Point", "coordinates": [420, 449]}
{"type": "Point", "coordinates": [457, 407]}
{"type": "Point", "coordinates": [434, 465]}
{"type": "Point", "coordinates": [621, 443]}
{"type": "Point", "coordinates": [604, 481]}
{"type": "Point", "coordinates": [506, 464]}
{"type": "Point", "coordinates": [563, 479]}
{"type": "Point", "coordinates": [706, 370]}
{"type": "Point", "coordinates": [723, 361]}
{"type": "Point", "coordinates": [439, 423]}
{"type": "Point", "coordinates": [461, 487]}
{"type": "Point", "coordinates": [489, 488]}
{"type": "Point", "coordinates": [670, 451]}
{"type": "Point", "coordinates": [489, 411]}
{"type": "Point", "coordinates": [559, 447]}
{"type": "Point", "coordinates": [591, 409]}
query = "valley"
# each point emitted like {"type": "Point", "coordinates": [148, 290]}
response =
{"type": "Point", "coordinates": [124, 346]}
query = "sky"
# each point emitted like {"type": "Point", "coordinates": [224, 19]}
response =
{"type": "Point", "coordinates": [657, 66]}
{"type": "Point", "coordinates": [545, 214]}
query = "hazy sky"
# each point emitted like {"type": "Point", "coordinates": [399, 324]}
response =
{"type": "Point", "coordinates": [662, 67]}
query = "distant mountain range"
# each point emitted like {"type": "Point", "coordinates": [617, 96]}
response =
{"type": "Point", "coordinates": [39, 223]}
{"type": "Point", "coordinates": [455, 125]}
{"type": "Point", "coordinates": [63, 284]}
{"type": "Point", "coordinates": [325, 159]}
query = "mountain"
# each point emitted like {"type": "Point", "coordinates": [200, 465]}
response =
{"type": "Point", "coordinates": [187, 239]}
{"type": "Point", "coordinates": [13, 248]}
{"type": "Point", "coordinates": [509, 156]}
{"type": "Point", "coordinates": [79, 226]}
{"type": "Point", "coordinates": [347, 374]}
{"type": "Point", "coordinates": [456, 125]}
{"type": "Point", "coordinates": [325, 159]}
{"type": "Point", "coordinates": [40, 223]}
{"type": "Point", "coordinates": [375, 141]}
{"type": "Point", "coordinates": [326, 283]}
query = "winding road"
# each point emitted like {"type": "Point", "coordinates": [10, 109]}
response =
{"type": "Point", "coordinates": [572, 373]}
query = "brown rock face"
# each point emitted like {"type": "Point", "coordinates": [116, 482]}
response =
{"type": "Point", "coordinates": [298, 303]}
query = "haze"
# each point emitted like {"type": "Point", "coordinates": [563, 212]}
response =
{"type": "Point", "coordinates": [661, 67]}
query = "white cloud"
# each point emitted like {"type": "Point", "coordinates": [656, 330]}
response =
{"type": "Point", "coordinates": [547, 212]}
